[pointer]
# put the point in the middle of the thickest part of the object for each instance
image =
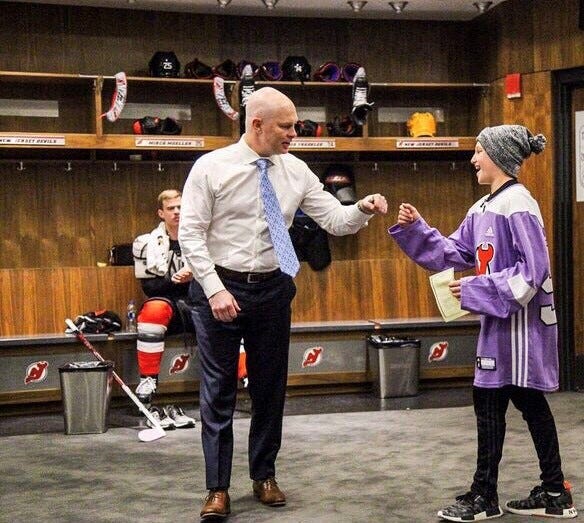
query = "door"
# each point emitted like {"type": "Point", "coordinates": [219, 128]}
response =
{"type": "Point", "coordinates": [577, 102]}
{"type": "Point", "coordinates": [569, 224]}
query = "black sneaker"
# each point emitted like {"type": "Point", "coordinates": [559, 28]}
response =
{"type": "Point", "coordinates": [471, 507]}
{"type": "Point", "coordinates": [540, 503]}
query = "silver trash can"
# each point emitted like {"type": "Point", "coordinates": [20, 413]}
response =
{"type": "Point", "coordinates": [86, 389]}
{"type": "Point", "coordinates": [394, 365]}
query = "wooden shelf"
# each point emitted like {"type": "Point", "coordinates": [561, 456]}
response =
{"type": "Point", "coordinates": [48, 78]}
{"type": "Point", "coordinates": [112, 141]}
{"type": "Point", "coordinates": [311, 84]}
{"type": "Point", "coordinates": [48, 140]}
{"type": "Point", "coordinates": [132, 142]}
{"type": "Point", "coordinates": [208, 143]}
{"type": "Point", "coordinates": [81, 99]}
{"type": "Point", "coordinates": [387, 144]}
{"type": "Point", "coordinates": [65, 77]}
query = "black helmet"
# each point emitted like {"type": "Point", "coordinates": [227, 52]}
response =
{"type": "Point", "coordinates": [296, 68]}
{"type": "Point", "coordinates": [164, 64]}
{"type": "Point", "coordinates": [339, 180]}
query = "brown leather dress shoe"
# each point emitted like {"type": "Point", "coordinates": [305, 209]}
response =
{"type": "Point", "coordinates": [268, 492]}
{"type": "Point", "coordinates": [217, 505]}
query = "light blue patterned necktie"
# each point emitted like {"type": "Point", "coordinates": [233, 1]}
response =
{"type": "Point", "coordinates": [278, 232]}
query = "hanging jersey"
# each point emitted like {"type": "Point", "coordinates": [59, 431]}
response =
{"type": "Point", "coordinates": [166, 259]}
{"type": "Point", "coordinates": [502, 237]}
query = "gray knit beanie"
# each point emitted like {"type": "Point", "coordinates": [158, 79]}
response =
{"type": "Point", "coordinates": [509, 145]}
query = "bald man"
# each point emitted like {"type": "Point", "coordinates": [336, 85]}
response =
{"type": "Point", "coordinates": [237, 205]}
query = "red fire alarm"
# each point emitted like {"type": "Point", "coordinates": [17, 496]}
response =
{"type": "Point", "coordinates": [513, 85]}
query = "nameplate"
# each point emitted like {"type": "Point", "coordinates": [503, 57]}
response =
{"type": "Point", "coordinates": [32, 140]}
{"type": "Point", "coordinates": [312, 144]}
{"type": "Point", "coordinates": [426, 144]}
{"type": "Point", "coordinates": [170, 142]}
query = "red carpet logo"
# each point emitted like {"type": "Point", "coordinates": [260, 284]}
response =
{"type": "Point", "coordinates": [36, 372]}
{"type": "Point", "coordinates": [438, 351]}
{"type": "Point", "coordinates": [179, 364]}
{"type": "Point", "coordinates": [312, 357]}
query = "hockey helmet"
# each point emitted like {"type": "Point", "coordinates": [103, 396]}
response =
{"type": "Point", "coordinates": [422, 124]}
{"type": "Point", "coordinates": [296, 68]}
{"type": "Point", "coordinates": [340, 182]}
{"type": "Point", "coordinates": [164, 64]}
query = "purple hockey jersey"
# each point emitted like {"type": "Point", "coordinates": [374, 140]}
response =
{"type": "Point", "coordinates": [502, 236]}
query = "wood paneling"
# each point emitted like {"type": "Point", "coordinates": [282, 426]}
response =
{"type": "Point", "coordinates": [364, 289]}
{"type": "Point", "coordinates": [521, 36]}
{"type": "Point", "coordinates": [38, 300]}
{"type": "Point", "coordinates": [66, 221]}
{"type": "Point", "coordinates": [58, 218]}
{"type": "Point", "coordinates": [86, 40]}
{"type": "Point", "coordinates": [503, 40]}
{"type": "Point", "coordinates": [558, 41]}
{"type": "Point", "coordinates": [533, 110]}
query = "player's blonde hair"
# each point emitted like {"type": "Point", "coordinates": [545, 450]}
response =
{"type": "Point", "coordinates": [168, 194]}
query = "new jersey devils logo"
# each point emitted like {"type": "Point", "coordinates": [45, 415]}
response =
{"type": "Point", "coordinates": [179, 364]}
{"type": "Point", "coordinates": [438, 351]}
{"type": "Point", "coordinates": [484, 255]}
{"type": "Point", "coordinates": [312, 357]}
{"type": "Point", "coordinates": [36, 372]}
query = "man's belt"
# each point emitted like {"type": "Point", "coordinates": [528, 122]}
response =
{"type": "Point", "coordinates": [246, 277]}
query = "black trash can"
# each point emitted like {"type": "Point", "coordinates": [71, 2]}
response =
{"type": "Point", "coordinates": [86, 389]}
{"type": "Point", "coordinates": [394, 365]}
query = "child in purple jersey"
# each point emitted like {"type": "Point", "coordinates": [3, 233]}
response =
{"type": "Point", "coordinates": [503, 238]}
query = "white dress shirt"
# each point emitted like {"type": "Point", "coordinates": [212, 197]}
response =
{"type": "Point", "coordinates": [222, 216]}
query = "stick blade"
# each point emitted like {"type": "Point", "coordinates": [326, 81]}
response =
{"type": "Point", "coordinates": [152, 434]}
{"type": "Point", "coordinates": [71, 325]}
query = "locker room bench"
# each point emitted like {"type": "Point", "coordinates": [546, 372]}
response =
{"type": "Point", "coordinates": [30, 377]}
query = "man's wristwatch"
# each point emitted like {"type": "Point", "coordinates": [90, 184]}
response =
{"type": "Point", "coordinates": [362, 209]}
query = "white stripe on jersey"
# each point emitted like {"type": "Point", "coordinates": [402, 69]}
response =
{"type": "Point", "coordinates": [513, 350]}
{"type": "Point", "coordinates": [520, 201]}
{"type": "Point", "coordinates": [525, 347]}
{"type": "Point", "coordinates": [519, 348]}
{"type": "Point", "coordinates": [522, 291]}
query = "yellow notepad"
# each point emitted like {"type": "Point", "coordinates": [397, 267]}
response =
{"type": "Point", "coordinates": [448, 305]}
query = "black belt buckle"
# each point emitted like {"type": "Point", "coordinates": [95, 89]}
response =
{"type": "Point", "coordinates": [254, 277]}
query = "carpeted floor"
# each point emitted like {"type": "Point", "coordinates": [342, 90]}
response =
{"type": "Point", "coordinates": [364, 466]}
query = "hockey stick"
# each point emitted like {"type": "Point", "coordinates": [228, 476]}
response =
{"type": "Point", "coordinates": [118, 98]}
{"type": "Point", "coordinates": [221, 99]}
{"type": "Point", "coordinates": [156, 432]}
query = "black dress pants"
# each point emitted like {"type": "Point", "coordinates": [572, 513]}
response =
{"type": "Point", "coordinates": [264, 325]}
{"type": "Point", "coordinates": [490, 407]}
